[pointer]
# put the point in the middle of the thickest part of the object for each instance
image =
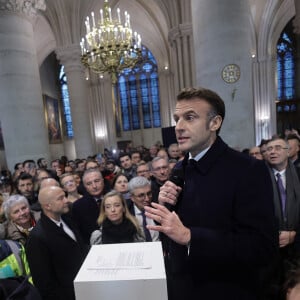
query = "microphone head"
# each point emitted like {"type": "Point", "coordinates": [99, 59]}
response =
{"type": "Point", "coordinates": [177, 177]}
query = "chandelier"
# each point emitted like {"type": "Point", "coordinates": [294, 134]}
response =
{"type": "Point", "coordinates": [109, 46]}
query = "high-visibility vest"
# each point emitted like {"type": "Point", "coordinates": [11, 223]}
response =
{"type": "Point", "coordinates": [13, 261]}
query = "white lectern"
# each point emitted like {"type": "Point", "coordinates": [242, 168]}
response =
{"type": "Point", "coordinates": [133, 271]}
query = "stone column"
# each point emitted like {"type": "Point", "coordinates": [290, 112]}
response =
{"type": "Point", "coordinates": [167, 97]}
{"type": "Point", "coordinates": [21, 105]}
{"type": "Point", "coordinates": [296, 22]}
{"type": "Point", "coordinates": [182, 54]}
{"type": "Point", "coordinates": [79, 99]}
{"type": "Point", "coordinates": [223, 34]}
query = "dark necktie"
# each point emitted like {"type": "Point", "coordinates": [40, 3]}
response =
{"type": "Point", "coordinates": [146, 230]}
{"type": "Point", "coordinates": [192, 162]}
{"type": "Point", "coordinates": [282, 192]}
{"type": "Point", "coordinates": [98, 201]}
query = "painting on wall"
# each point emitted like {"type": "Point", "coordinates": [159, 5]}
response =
{"type": "Point", "coordinates": [1, 138]}
{"type": "Point", "coordinates": [53, 119]}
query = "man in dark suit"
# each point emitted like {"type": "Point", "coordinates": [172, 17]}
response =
{"type": "Point", "coordinates": [85, 211]}
{"type": "Point", "coordinates": [221, 225]}
{"type": "Point", "coordinates": [55, 250]}
{"type": "Point", "coordinates": [139, 188]}
{"type": "Point", "coordinates": [294, 148]}
{"type": "Point", "coordinates": [286, 191]}
{"type": "Point", "coordinates": [160, 171]}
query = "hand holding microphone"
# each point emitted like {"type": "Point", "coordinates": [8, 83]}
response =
{"type": "Point", "coordinates": [170, 191]}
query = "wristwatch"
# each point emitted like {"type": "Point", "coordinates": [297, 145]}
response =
{"type": "Point", "coordinates": [231, 73]}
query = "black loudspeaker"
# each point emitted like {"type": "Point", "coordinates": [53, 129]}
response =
{"type": "Point", "coordinates": [168, 136]}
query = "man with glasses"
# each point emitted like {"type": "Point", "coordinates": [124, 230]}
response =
{"type": "Point", "coordinates": [143, 169]}
{"type": "Point", "coordinates": [286, 197]}
{"type": "Point", "coordinates": [160, 172]}
{"type": "Point", "coordinates": [140, 192]}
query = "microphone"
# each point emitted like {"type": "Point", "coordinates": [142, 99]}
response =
{"type": "Point", "coordinates": [177, 177]}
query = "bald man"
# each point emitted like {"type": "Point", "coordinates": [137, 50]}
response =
{"type": "Point", "coordinates": [55, 249]}
{"type": "Point", "coordinates": [48, 182]}
{"type": "Point", "coordinates": [44, 183]}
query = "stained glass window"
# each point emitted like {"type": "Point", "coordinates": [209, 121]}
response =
{"type": "Point", "coordinates": [286, 64]}
{"type": "Point", "coordinates": [66, 102]}
{"type": "Point", "coordinates": [139, 94]}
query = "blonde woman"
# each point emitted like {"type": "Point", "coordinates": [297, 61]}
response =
{"type": "Point", "coordinates": [116, 224]}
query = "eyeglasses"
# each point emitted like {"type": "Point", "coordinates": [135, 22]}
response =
{"type": "Point", "coordinates": [162, 168]}
{"type": "Point", "coordinates": [142, 171]}
{"type": "Point", "coordinates": [276, 148]}
{"type": "Point", "coordinates": [69, 182]}
{"type": "Point", "coordinates": [142, 196]}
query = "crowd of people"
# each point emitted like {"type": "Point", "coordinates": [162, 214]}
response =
{"type": "Point", "coordinates": [228, 220]}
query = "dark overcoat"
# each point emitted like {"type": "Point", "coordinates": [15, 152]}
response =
{"type": "Point", "coordinates": [227, 204]}
{"type": "Point", "coordinates": [54, 258]}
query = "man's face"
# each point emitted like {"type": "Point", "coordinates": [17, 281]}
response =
{"type": "Point", "coordinates": [195, 130]}
{"type": "Point", "coordinates": [255, 152]}
{"type": "Point", "coordinates": [20, 167]}
{"type": "Point", "coordinates": [110, 167]}
{"type": "Point", "coordinates": [55, 165]}
{"type": "Point", "coordinates": [277, 154]}
{"type": "Point", "coordinates": [160, 170]}
{"type": "Point", "coordinates": [153, 151]}
{"type": "Point", "coordinates": [294, 148]}
{"type": "Point", "coordinates": [174, 151]}
{"type": "Point", "coordinates": [264, 152]}
{"type": "Point", "coordinates": [91, 165]}
{"type": "Point", "coordinates": [30, 168]}
{"type": "Point", "coordinates": [41, 176]}
{"type": "Point", "coordinates": [144, 171]}
{"type": "Point", "coordinates": [93, 183]}
{"type": "Point", "coordinates": [69, 184]}
{"type": "Point", "coordinates": [81, 166]}
{"type": "Point", "coordinates": [44, 163]}
{"type": "Point", "coordinates": [126, 162]}
{"type": "Point", "coordinates": [25, 187]}
{"type": "Point", "coordinates": [142, 196]}
{"type": "Point", "coordinates": [58, 203]}
{"type": "Point", "coordinates": [136, 158]}
{"type": "Point", "coordinates": [163, 153]}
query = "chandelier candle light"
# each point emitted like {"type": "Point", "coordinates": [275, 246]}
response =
{"type": "Point", "coordinates": [108, 45]}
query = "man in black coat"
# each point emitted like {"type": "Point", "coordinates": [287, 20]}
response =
{"type": "Point", "coordinates": [221, 224]}
{"type": "Point", "coordinates": [55, 250]}
{"type": "Point", "coordinates": [286, 197]}
{"type": "Point", "coordinates": [85, 211]}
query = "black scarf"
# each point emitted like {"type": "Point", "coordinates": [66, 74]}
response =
{"type": "Point", "coordinates": [118, 233]}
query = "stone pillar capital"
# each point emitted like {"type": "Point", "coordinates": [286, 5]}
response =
{"type": "Point", "coordinates": [179, 31]}
{"type": "Point", "coordinates": [28, 8]}
{"type": "Point", "coordinates": [186, 29]}
{"type": "Point", "coordinates": [69, 56]}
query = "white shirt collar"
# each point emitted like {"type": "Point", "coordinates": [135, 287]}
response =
{"type": "Point", "coordinates": [199, 155]}
{"type": "Point", "coordinates": [57, 222]}
{"type": "Point", "coordinates": [282, 172]}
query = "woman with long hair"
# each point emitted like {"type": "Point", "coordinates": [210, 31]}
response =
{"type": "Point", "coordinates": [116, 224]}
